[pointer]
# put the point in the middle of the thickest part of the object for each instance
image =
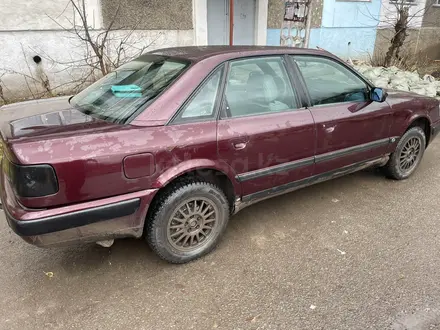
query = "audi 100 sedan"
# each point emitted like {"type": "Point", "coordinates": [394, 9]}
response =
{"type": "Point", "coordinates": [170, 145]}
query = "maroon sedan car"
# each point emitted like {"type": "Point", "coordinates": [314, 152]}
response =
{"type": "Point", "coordinates": [170, 145]}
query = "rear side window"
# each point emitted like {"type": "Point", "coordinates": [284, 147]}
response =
{"type": "Point", "coordinates": [258, 86]}
{"type": "Point", "coordinates": [201, 105]}
{"type": "Point", "coordinates": [122, 93]}
{"type": "Point", "coordinates": [330, 82]}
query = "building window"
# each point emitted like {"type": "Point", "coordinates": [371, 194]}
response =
{"type": "Point", "coordinates": [353, 0]}
{"type": "Point", "coordinates": [404, 2]}
{"type": "Point", "coordinates": [436, 3]}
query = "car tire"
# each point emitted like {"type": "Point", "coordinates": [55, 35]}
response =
{"type": "Point", "coordinates": [198, 211]}
{"type": "Point", "coordinates": [409, 152]}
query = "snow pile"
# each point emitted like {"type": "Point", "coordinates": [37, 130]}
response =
{"type": "Point", "coordinates": [394, 78]}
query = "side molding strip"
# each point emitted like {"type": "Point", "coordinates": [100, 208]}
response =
{"type": "Point", "coordinates": [317, 159]}
{"type": "Point", "coordinates": [311, 180]}
{"type": "Point", "coordinates": [275, 169]}
{"type": "Point", "coordinates": [352, 150]}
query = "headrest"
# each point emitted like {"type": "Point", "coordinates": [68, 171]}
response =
{"type": "Point", "coordinates": [262, 86]}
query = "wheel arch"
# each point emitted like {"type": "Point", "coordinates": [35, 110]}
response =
{"type": "Point", "coordinates": [217, 173]}
{"type": "Point", "coordinates": [422, 122]}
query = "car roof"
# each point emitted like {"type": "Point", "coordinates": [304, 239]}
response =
{"type": "Point", "coordinates": [205, 60]}
{"type": "Point", "coordinates": [199, 53]}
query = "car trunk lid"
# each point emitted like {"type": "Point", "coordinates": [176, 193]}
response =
{"type": "Point", "coordinates": [40, 118]}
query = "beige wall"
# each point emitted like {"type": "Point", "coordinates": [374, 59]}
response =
{"type": "Point", "coordinates": [275, 14]}
{"type": "Point", "coordinates": [419, 41]}
{"type": "Point", "coordinates": [149, 14]}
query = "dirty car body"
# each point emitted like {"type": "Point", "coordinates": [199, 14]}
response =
{"type": "Point", "coordinates": [254, 122]}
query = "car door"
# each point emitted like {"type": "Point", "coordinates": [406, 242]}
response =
{"type": "Point", "coordinates": [350, 128]}
{"type": "Point", "coordinates": [264, 134]}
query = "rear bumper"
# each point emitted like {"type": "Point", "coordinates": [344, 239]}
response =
{"type": "Point", "coordinates": [73, 219]}
{"type": "Point", "coordinates": [114, 217]}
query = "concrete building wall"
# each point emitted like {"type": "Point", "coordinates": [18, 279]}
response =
{"type": "Point", "coordinates": [423, 36]}
{"type": "Point", "coordinates": [432, 14]}
{"type": "Point", "coordinates": [28, 28]}
{"type": "Point", "coordinates": [355, 14]}
{"type": "Point", "coordinates": [275, 13]}
{"type": "Point", "coordinates": [345, 42]}
{"type": "Point", "coordinates": [149, 15]}
{"type": "Point", "coordinates": [275, 19]}
{"type": "Point", "coordinates": [346, 28]}
{"type": "Point", "coordinates": [356, 43]}
{"type": "Point", "coordinates": [423, 43]}
{"type": "Point", "coordinates": [19, 15]}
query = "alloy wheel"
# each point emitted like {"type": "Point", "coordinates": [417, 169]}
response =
{"type": "Point", "coordinates": [192, 224]}
{"type": "Point", "coordinates": [410, 154]}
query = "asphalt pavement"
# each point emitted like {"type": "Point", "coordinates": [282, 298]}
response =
{"type": "Point", "coordinates": [359, 252]}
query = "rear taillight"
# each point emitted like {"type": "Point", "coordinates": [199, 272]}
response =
{"type": "Point", "coordinates": [31, 180]}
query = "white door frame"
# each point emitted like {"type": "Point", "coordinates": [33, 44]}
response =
{"type": "Point", "coordinates": [200, 22]}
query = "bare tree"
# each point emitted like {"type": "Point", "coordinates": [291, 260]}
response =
{"type": "Point", "coordinates": [400, 32]}
{"type": "Point", "coordinates": [399, 17]}
{"type": "Point", "coordinates": [107, 49]}
{"type": "Point", "coordinates": [2, 95]}
{"type": "Point", "coordinates": [95, 52]}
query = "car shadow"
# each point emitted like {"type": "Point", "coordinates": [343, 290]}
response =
{"type": "Point", "coordinates": [331, 186]}
{"type": "Point", "coordinates": [94, 257]}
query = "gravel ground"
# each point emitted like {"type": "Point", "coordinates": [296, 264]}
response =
{"type": "Point", "coordinates": [359, 252]}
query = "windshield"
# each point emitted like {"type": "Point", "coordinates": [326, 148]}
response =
{"type": "Point", "coordinates": [119, 95]}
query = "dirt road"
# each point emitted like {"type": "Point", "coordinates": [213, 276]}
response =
{"type": "Point", "coordinates": [360, 252]}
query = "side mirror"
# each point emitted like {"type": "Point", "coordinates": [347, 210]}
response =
{"type": "Point", "coordinates": [378, 94]}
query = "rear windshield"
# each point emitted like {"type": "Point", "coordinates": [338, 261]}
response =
{"type": "Point", "coordinates": [119, 95]}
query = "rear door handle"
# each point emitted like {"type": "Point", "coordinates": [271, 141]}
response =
{"type": "Point", "coordinates": [239, 145]}
{"type": "Point", "coordinates": [239, 142]}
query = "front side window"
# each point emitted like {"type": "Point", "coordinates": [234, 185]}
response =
{"type": "Point", "coordinates": [330, 82]}
{"type": "Point", "coordinates": [258, 86]}
{"type": "Point", "coordinates": [119, 95]}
